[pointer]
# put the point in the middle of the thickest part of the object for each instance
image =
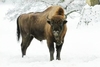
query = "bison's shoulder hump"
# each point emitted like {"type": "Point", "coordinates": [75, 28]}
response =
{"type": "Point", "coordinates": [56, 10]}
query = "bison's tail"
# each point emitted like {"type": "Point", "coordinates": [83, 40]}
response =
{"type": "Point", "coordinates": [18, 30]}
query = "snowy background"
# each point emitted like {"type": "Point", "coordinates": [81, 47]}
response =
{"type": "Point", "coordinates": [82, 41]}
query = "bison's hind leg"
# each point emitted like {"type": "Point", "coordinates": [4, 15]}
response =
{"type": "Point", "coordinates": [25, 43]}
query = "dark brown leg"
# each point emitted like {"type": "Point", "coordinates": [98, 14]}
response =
{"type": "Point", "coordinates": [58, 49]}
{"type": "Point", "coordinates": [25, 43]}
{"type": "Point", "coordinates": [51, 50]}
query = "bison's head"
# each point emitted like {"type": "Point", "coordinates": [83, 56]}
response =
{"type": "Point", "coordinates": [57, 25]}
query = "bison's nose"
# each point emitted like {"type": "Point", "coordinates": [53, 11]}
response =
{"type": "Point", "coordinates": [56, 33]}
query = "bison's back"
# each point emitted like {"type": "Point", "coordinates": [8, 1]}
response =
{"type": "Point", "coordinates": [32, 24]}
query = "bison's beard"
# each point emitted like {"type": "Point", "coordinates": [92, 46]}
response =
{"type": "Point", "coordinates": [58, 41]}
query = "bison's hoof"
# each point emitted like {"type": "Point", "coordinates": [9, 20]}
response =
{"type": "Point", "coordinates": [58, 58]}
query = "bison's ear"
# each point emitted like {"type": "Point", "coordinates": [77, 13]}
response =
{"type": "Point", "coordinates": [65, 21]}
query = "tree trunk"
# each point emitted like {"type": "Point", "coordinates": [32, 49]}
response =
{"type": "Point", "coordinates": [92, 2]}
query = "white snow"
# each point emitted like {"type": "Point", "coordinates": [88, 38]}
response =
{"type": "Point", "coordinates": [81, 47]}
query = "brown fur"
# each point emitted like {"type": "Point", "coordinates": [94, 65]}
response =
{"type": "Point", "coordinates": [35, 25]}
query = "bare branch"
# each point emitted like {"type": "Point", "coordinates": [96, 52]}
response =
{"type": "Point", "coordinates": [68, 4]}
{"type": "Point", "coordinates": [70, 13]}
{"type": "Point", "coordinates": [46, 3]}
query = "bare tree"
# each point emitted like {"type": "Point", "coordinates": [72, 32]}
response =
{"type": "Point", "coordinates": [3, 0]}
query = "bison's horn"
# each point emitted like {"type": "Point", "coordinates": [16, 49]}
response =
{"type": "Point", "coordinates": [48, 20]}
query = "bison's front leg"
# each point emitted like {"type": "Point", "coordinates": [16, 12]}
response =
{"type": "Point", "coordinates": [51, 50]}
{"type": "Point", "coordinates": [58, 49]}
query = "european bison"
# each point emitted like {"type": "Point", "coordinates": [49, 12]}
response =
{"type": "Point", "coordinates": [49, 24]}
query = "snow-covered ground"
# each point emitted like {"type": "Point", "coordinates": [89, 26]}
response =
{"type": "Point", "coordinates": [81, 47]}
